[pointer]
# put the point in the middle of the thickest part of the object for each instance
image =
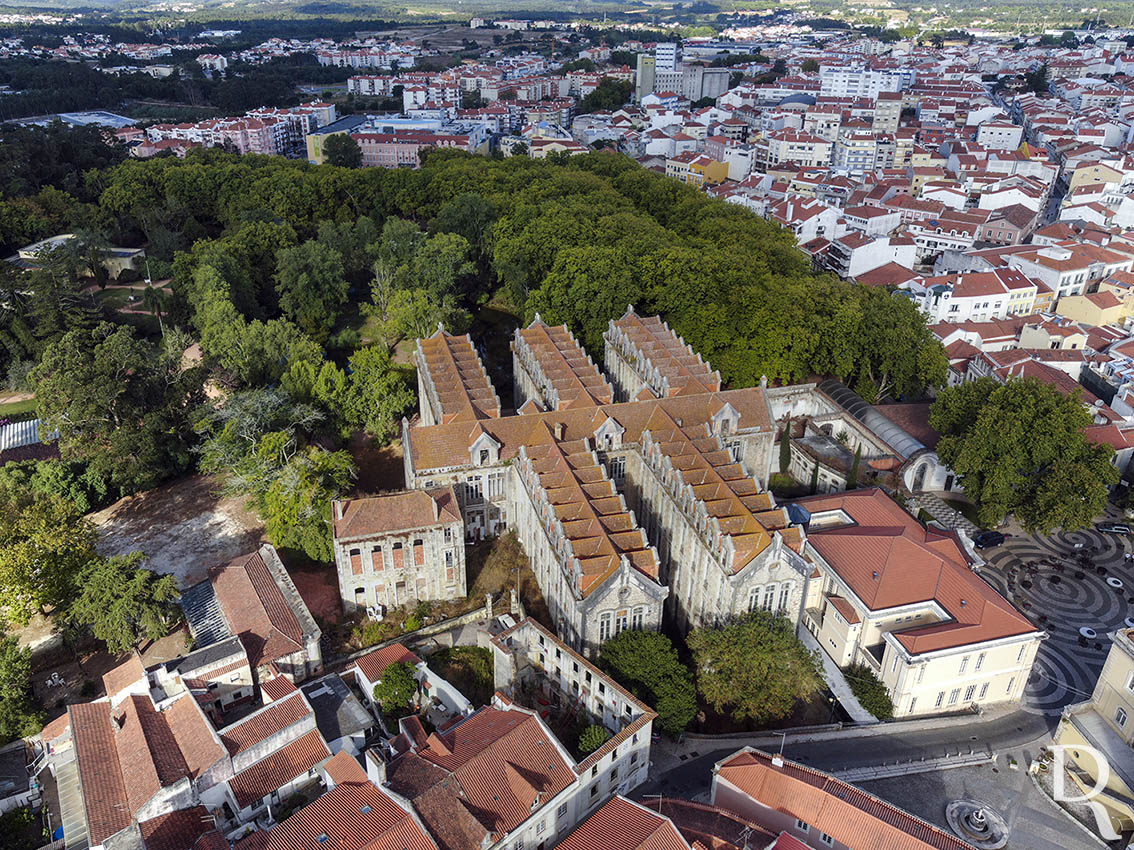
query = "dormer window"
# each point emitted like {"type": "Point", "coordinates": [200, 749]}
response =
{"type": "Point", "coordinates": [484, 455]}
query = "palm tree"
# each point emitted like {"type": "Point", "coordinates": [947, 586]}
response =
{"type": "Point", "coordinates": [155, 299]}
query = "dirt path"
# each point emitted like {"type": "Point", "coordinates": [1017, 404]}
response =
{"type": "Point", "coordinates": [184, 527]}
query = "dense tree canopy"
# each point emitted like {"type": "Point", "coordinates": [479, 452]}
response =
{"type": "Point", "coordinates": [397, 689]}
{"type": "Point", "coordinates": [19, 715]}
{"type": "Point", "coordinates": [1020, 448]}
{"type": "Point", "coordinates": [755, 668]}
{"type": "Point", "coordinates": [648, 665]}
{"type": "Point", "coordinates": [122, 602]}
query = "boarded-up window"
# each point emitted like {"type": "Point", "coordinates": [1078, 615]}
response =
{"type": "Point", "coordinates": [376, 559]}
{"type": "Point", "coordinates": [356, 561]}
{"type": "Point", "coordinates": [399, 556]}
{"type": "Point", "coordinates": [418, 552]}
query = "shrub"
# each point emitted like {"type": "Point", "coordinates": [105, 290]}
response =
{"type": "Point", "coordinates": [647, 664]}
{"type": "Point", "coordinates": [870, 691]}
{"type": "Point", "coordinates": [592, 738]}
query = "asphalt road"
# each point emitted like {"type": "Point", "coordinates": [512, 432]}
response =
{"type": "Point", "coordinates": [693, 776]}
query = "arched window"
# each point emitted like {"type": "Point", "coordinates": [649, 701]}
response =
{"type": "Point", "coordinates": [604, 621]}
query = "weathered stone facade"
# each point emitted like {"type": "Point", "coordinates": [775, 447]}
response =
{"type": "Point", "coordinates": [399, 549]}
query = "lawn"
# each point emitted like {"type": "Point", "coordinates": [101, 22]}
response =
{"type": "Point", "coordinates": [967, 509]}
{"type": "Point", "coordinates": [18, 410]}
{"type": "Point", "coordinates": [468, 669]}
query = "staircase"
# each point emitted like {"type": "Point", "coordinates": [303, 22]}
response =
{"type": "Point", "coordinates": [933, 505]}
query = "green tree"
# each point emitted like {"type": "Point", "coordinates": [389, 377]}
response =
{"type": "Point", "coordinates": [342, 150]}
{"type": "Point", "coordinates": [870, 691]}
{"type": "Point", "coordinates": [19, 715]}
{"type": "Point", "coordinates": [123, 603]}
{"type": "Point", "coordinates": [44, 547]}
{"type": "Point", "coordinates": [647, 663]}
{"type": "Point", "coordinates": [312, 286]}
{"type": "Point", "coordinates": [119, 403]}
{"type": "Point", "coordinates": [377, 393]}
{"type": "Point", "coordinates": [755, 667]}
{"type": "Point", "coordinates": [296, 506]}
{"type": "Point", "coordinates": [396, 690]}
{"type": "Point", "coordinates": [1021, 448]}
{"type": "Point", "coordinates": [809, 66]}
{"type": "Point", "coordinates": [593, 737]}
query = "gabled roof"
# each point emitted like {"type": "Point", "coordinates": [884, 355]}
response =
{"type": "Point", "coordinates": [354, 815]}
{"type": "Point", "coordinates": [374, 664]}
{"type": "Point", "coordinates": [264, 723]}
{"type": "Point", "coordinates": [375, 516]}
{"type": "Point", "coordinates": [570, 378]}
{"type": "Point", "coordinates": [282, 766]}
{"type": "Point", "coordinates": [483, 777]}
{"type": "Point", "coordinates": [255, 608]}
{"type": "Point", "coordinates": [888, 559]}
{"type": "Point", "coordinates": [456, 377]}
{"type": "Point", "coordinates": [624, 825]}
{"type": "Point", "coordinates": [848, 814]}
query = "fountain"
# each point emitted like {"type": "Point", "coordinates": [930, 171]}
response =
{"type": "Point", "coordinates": [977, 823]}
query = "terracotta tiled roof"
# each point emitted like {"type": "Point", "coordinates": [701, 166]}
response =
{"type": "Point", "coordinates": [124, 675]}
{"type": "Point", "coordinates": [147, 750]}
{"type": "Point", "coordinates": [846, 813]}
{"type": "Point", "coordinates": [888, 559]}
{"type": "Point", "coordinates": [374, 664]}
{"type": "Point", "coordinates": [278, 688]}
{"type": "Point", "coordinates": [178, 830]}
{"type": "Point", "coordinates": [108, 811]}
{"type": "Point", "coordinates": [497, 764]}
{"type": "Point", "coordinates": [256, 609]}
{"type": "Point", "coordinates": [354, 815]}
{"type": "Point", "coordinates": [194, 735]}
{"type": "Point", "coordinates": [709, 826]}
{"type": "Point", "coordinates": [281, 767]}
{"type": "Point", "coordinates": [438, 446]}
{"type": "Point", "coordinates": [623, 825]}
{"type": "Point", "coordinates": [269, 720]}
{"type": "Point", "coordinates": [379, 515]}
{"type": "Point", "coordinates": [596, 522]}
{"type": "Point", "coordinates": [458, 378]}
{"type": "Point", "coordinates": [343, 767]}
{"type": "Point", "coordinates": [674, 360]}
{"type": "Point", "coordinates": [569, 375]}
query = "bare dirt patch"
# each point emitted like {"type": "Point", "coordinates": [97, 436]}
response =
{"type": "Point", "coordinates": [380, 468]}
{"type": "Point", "coordinates": [319, 590]}
{"type": "Point", "coordinates": [184, 527]}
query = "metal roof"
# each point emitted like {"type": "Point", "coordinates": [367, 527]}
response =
{"type": "Point", "coordinates": [900, 440]}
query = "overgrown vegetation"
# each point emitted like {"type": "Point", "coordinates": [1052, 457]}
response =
{"type": "Point", "coordinates": [870, 691]}
{"type": "Point", "coordinates": [647, 664]}
{"type": "Point", "coordinates": [755, 668]}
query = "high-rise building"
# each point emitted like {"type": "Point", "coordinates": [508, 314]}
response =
{"type": "Point", "coordinates": [644, 76]}
{"type": "Point", "coordinates": [665, 55]}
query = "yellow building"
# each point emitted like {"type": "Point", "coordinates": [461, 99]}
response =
{"type": "Point", "coordinates": [902, 600]}
{"type": "Point", "coordinates": [1104, 723]}
{"type": "Point", "coordinates": [1097, 308]}
{"type": "Point", "coordinates": [706, 171]}
{"type": "Point", "coordinates": [1093, 172]}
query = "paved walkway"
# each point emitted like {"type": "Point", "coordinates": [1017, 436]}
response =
{"type": "Point", "coordinates": [936, 507]}
{"type": "Point", "coordinates": [837, 682]}
{"type": "Point", "coordinates": [1063, 582]}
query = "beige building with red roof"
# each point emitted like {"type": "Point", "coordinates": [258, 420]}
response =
{"type": "Point", "coordinates": [903, 599]}
{"type": "Point", "coordinates": [399, 548]}
{"type": "Point", "coordinates": [818, 810]}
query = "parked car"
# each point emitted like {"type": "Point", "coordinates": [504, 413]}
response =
{"type": "Point", "coordinates": [988, 539]}
{"type": "Point", "coordinates": [1113, 528]}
